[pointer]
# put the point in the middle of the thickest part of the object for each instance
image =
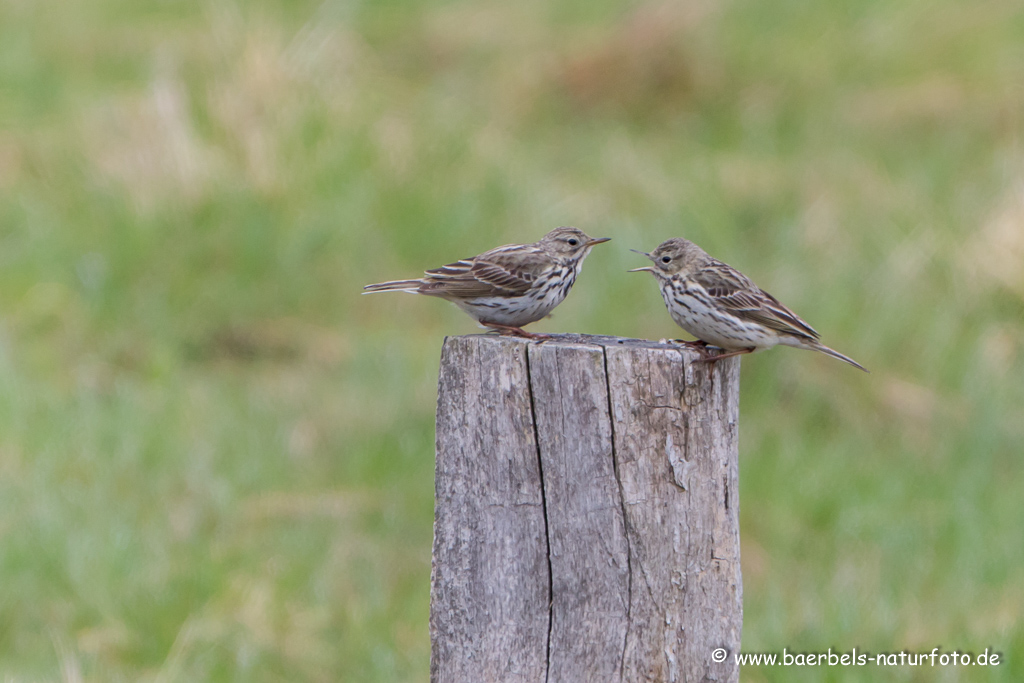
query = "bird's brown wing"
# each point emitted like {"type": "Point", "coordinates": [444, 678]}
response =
{"type": "Point", "coordinates": [505, 271]}
{"type": "Point", "coordinates": [736, 293]}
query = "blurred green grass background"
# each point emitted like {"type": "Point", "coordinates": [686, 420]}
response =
{"type": "Point", "coordinates": [216, 457]}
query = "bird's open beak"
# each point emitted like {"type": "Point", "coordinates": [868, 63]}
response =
{"type": "Point", "coordinates": [599, 240]}
{"type": "Point", "coordinates": [637, 270]}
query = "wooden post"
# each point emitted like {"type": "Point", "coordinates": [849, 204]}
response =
{"type": "Point", "coordinates": [586, 524]}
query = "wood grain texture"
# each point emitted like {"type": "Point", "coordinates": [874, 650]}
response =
{"type": "Point", "coordinates": [589, 556]}
{"type": "Point", "coordinates": [490, 590]}
{"type": "Point", "coordinates": [675, 428]}
{"type": "Point", "coordinates": [587, 522]}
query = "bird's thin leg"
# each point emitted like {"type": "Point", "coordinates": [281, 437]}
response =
{"type": "Point", "coordinates": [513, 331]}
{"type": "Point", "coordinates": [715, 359]}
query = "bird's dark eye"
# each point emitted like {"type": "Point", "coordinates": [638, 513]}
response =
{"type": "Point", "coordinates": [573, 241]}
{"type": "Point", "coordinates": [666, 259]}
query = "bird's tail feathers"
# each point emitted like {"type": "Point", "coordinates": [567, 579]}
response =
{"type": "Point", "coordinates": [835, 354]}
{"type": "Point", "coordinates": [394, 286]}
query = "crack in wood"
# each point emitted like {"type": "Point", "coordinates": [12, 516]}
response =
{"type": "Point", "coordinates": [547, 526]}
{"type": "Point", "coordinates": [625, 522]}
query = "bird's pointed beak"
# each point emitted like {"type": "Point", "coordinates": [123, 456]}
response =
{"type": "Point", "coordinates": [642, 253]}
{"type": "Point", "coordinates": [598, 240]}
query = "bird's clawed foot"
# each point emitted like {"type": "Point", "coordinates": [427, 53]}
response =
{"type": "Point", "coordinates": [708, 358]}
{"type": "Point", "coordinates": [513, 331]}
{"type": "Point", "coordinates": [694, 344]}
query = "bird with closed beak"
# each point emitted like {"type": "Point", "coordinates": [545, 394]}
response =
{"type": "Point", "coordinates": [509, 286]}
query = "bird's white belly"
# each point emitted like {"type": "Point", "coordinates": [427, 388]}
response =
{"type": "Point", "coordinates": [514, 311]}
{"type": "Point", "coordinates": [520, 310]}
{"type": "Point", "coordinates": [715, 326]}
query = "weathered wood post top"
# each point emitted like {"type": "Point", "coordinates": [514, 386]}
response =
{"type": "Point", "coordinates": [587, 513]}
